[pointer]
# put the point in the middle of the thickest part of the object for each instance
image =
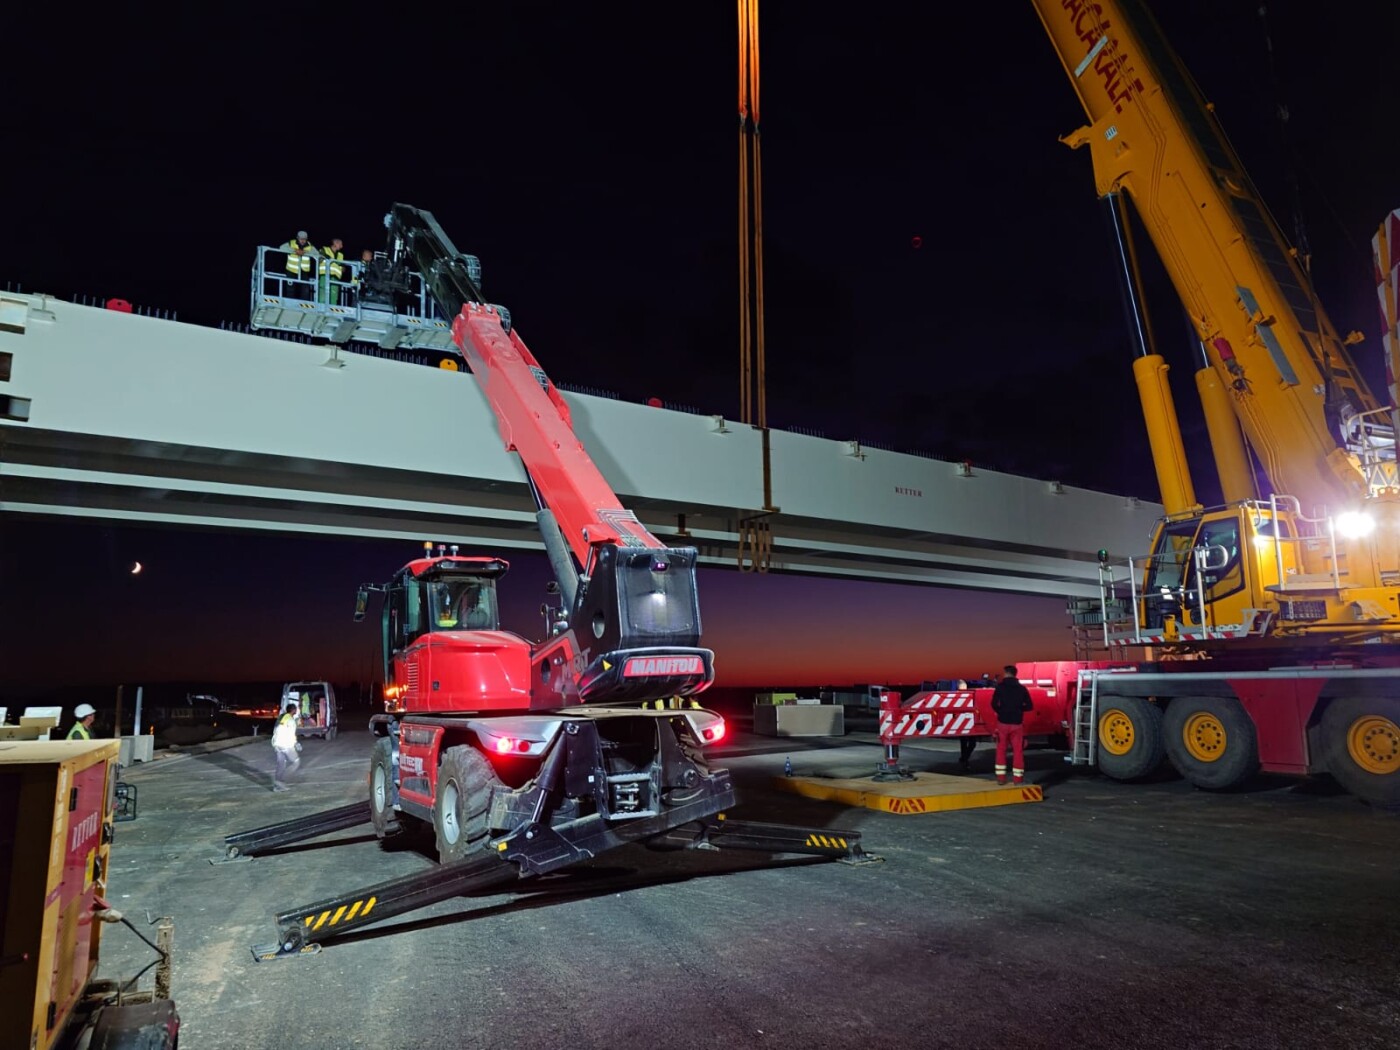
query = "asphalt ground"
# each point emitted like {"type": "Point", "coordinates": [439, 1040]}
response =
{"type": "Point", "coordinates": [1109, 915]}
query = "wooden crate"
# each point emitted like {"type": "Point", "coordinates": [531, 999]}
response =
{"type": "Point", "coordinates": [56, 799]}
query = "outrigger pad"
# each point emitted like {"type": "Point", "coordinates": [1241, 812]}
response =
{"type": "Point", "coordinates": [273, 952]}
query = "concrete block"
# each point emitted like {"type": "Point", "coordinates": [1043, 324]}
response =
{"type": "Point", "coordinates": [136, 749]}
{"type": "Point", "coordinates": [799, 720]}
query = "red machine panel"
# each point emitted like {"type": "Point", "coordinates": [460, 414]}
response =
{"type": "Point", "coordinates": [474, 671]}
{"type": "Point", "coordinates": [418, 758]}
{"type": "Point", "coordinates": [76, 889]}
{"type": "Point", "coordinates": [1280, 709]}
{"type": "Point", "coordinates": [932, 714]}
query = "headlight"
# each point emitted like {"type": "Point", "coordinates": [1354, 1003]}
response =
{"type": "Point", "coordinates": [1355, 524]}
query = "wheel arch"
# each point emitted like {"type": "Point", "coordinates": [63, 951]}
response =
{"type": "Point", "coordinates": [1335, 692]}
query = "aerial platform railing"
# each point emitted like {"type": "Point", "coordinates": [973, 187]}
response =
{"type": "Point", "coordinates": [377, 302]}
{"type": "Point", "coordinates": [1371, 438]}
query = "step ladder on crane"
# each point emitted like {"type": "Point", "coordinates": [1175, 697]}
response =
{"type": "Point", "coordinates": [1102, 627]}
{"type": "Point", "coordinates": [1086, 720]}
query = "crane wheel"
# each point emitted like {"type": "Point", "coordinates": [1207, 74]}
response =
{"type": "Point", "coordinates": [1361, 747]}
{"type": "Point", "coordinates": [1211, 741]}
{"type": "Point", "coordinates": [464, 784]}
{"type": "Point", "coordinates": [1130, 737]}
{"type": "Point", "coordinates": [381, 790]}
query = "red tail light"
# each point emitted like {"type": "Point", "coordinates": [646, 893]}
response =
{"type": "Point", "coordinates": [715, 733]}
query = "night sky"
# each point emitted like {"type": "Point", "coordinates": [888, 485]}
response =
{"type": "Point", "coordinates": [938, 273]}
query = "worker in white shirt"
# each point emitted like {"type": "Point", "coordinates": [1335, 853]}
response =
{"type": "Point", "coordinates": [284, 743]}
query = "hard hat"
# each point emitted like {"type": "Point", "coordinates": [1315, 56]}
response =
{"type": "Point", "coordinates": [83, 710]}
{"type": "Point", "coordinates": [301, 235]}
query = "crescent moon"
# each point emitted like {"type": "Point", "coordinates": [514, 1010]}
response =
{"type": "Point", "coordinates": [136, 568]}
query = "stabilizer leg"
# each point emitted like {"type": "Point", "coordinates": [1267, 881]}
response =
{"type": "Point", "coordinates": [721, 833]}
{"type": "Point", "coordinates": [244, 844]}
{"type": "Point", "coordinates": [303, 929]}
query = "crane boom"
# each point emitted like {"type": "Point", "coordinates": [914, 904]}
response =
{"type": "Point", "coordinates": [567, 481]}
{"type": "Point", "coordinates": [1299, 398]}
{"type": "Point", "coordinates": [632, 624]}
{"type": "Point", "coordinates": [1316, 560]}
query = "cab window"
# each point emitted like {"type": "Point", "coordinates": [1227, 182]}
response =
{"type": "Point", "coordinates": [464, 604]}
{"type": "Point", "coordinates": [1223, 534]}
{"type": "Point", "coordinates": [1168, 572]}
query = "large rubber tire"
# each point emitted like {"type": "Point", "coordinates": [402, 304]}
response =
{"type": "Point", "coordinates": [1361, 747]}
{"type": "Point", "coordinates": [1211, 741]}
{"type": "Point", "coordinates": [1130, 737]}
{"type": "Point", "coordinates": [464, 785]}
{"type": "Point", "coordinates": [381, 790]}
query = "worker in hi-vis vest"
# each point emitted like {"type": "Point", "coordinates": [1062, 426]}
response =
{"type": "Point", "coordinates": [300, 268]}
{"type": "Point", "coordinates": [85, 714]}
{"type": "Point", "coordinates": [285, 745]}
{"type": "Point", "coordinates": [332, 270]}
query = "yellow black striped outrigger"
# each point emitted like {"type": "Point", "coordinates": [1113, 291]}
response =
{"type": "Point", "coordinates": [527, 851]}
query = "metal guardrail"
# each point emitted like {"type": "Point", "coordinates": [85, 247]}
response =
{"type": "Point", "coordinates": [376, 302]}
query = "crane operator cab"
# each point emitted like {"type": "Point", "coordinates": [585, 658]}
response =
{"type": "Point", "coordinates": [441, 637]}
{"type": "Point", "coordinates": [1213, 572]}
{"type": "Point", "coordinates": [437, 594]}
{"type": "Point", "coordinates": [463, 605]}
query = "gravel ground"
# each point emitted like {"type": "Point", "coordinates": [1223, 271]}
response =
{"type": "Point", "coordinates": [1107, 916]}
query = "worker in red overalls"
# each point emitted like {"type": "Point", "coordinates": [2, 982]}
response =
{"type": "Point", "coordinates": [1011, 700]}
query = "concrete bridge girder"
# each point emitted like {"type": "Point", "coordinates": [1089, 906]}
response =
{"type": "Point", "coordinates": [125, 417]}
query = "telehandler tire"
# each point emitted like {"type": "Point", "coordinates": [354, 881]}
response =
{"type": "Point", "coordinates": [465, 779]}
{"type": "Point", "coordinates": [381, 790]}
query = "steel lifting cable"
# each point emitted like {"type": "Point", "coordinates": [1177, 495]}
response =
{"type": "Point", "coordinates": [753, 399]}
{"type": "Point", "coordinates": [1328, 356]}
{"type": "Point", "coordinates": [745, 350]}
{"type": "Point", "coordinates": [1290, 164]}
{"type": "Point", "coordinates": [762, 369]}
{"type": "Point", "coordinates": [753, 402]}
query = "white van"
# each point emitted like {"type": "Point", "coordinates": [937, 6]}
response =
{"type": "Point", "coordinates": [317, 703]}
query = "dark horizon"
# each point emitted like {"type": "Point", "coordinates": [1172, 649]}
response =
{"type": "Point", "coordinates": [232, 617]}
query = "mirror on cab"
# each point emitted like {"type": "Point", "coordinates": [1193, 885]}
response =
{"type": "Point", "coordinates": [361, 603]}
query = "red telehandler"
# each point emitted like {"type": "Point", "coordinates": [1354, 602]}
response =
{"type": "Point", "coordinates": [525, 758]}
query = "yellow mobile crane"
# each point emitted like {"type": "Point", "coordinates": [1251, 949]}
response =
{"type": "Point", "coordinates": [1313, 560]}
{"type": "Point", "coordinates": [1273, 620]}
